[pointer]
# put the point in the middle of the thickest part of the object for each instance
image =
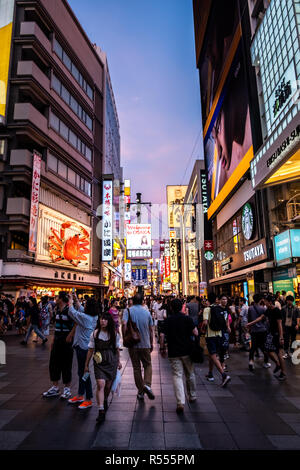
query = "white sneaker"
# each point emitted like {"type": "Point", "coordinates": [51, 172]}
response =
{"type": "Point", "coordinates": [52, 392]}
{"type": "Point", "coordinates": [267, 365]}
{"type": "Point", "coordinates": [67, 393]}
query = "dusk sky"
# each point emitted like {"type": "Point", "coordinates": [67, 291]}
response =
{"type": "Point", "coordinates": [151, 57]}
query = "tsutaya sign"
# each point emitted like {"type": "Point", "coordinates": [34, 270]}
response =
{"type": "Point", "coordinates": [254, 252]}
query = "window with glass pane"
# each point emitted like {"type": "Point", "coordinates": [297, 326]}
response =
{"type": "Point", "coordinates": [88, 188]}
{"type": "Point", "coordinates": [58, 49]}
{"type": "Point", "coordinates": [80, 110]}
{"type": "Point", "coordinates": [74, 105]}
{"type": "Point", "coordinates": [89, 122]}
{"type": "Point", "coordinates": [75, 72]}
{"type": "Point", "coordinates": [52, 162]}
{"type": "Point", "coordinates": [66, 60]}
{"type": "Point", "coordinates": [90, 92]}
{"type": "Point", "coordinates": [71, 176]}
{"type": "Point", "coordinates": [77, 181]}
{"type": "Point", "coordinates": [82, 181]}
{"type": "Point", "coordinates": [83, 148]}
{"type": "Point", "coordinates": [72, 138]}
{"type": "Point", "coordinates": [62, 169]}
{"type": "Point", "coordinates": [54, 122]}
{"type": "Point", "coordinates": [65, 94]}
{"type": "Point", "coordinates": [88, 154]}
{"type": "Point", "coordinates": [64, 130]}
{"type": "Point", "coordinates": [56, 85]}
{"type": "Point", "coordinates": [78, 146]}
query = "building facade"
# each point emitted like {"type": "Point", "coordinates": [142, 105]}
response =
{"type": "Point", "coordinates": [242, 255]}
{"type": "Point", "coordinates": [52, 146]}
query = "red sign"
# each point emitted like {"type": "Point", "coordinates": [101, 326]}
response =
{"type": "Point", "coordinates": [208, 245]}
{"type": "Point", "coordinates": [34, 209]}
{"type": "Point", "coordinates": [167, 266]}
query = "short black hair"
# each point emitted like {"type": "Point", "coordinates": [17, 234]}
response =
{"type": "Point", "coordinates": [138, 299]}
{"type": "Point", "coordinates": [211, 297]}
{"type": "Point", "coordinates": [290, 297]}
{"type": "Point", "coordinates": [176, 305]}
{"type": "Point", "coordinates": [63, 296]}
{"type": "Point", "coordinates": [257, 298]}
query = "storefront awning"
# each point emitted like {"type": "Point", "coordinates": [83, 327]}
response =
{"type": "Point", "coordinates": [241, 274]}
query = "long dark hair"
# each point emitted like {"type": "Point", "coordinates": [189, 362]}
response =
{"type": "Point", "coordinates": [111, 328]}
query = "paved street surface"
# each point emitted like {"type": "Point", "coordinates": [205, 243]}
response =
{"type": "Point", "coordinates": [254, 412]}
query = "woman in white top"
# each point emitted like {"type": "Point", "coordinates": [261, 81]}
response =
{"type": "Point", "coordinates": [104, 347]}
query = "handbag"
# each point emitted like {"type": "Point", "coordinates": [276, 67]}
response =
{"type": "Point", "coordinates": [196, 354]}
{"type": "Point", "coordinates": [131, 334]}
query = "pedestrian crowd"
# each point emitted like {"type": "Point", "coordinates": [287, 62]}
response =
{"type": "Point", "coordinates": [184, 327]}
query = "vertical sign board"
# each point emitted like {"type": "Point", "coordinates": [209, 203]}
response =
{"type": "Point", "coordinates": [167, 260]}
{"type": "Point", "coordinates": [6, 25]}
{"type": "Point", "coordinates": [107, 221]}
{"type": "Point", "coordinates": [34, 208]}
{"type": "Point", "coordinates": [173, 251]}
{"type": "Point", "coordinates": [127, 276]}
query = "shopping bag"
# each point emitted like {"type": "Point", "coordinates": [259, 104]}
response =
{"type": "Point", "coordinates": [116, 386]}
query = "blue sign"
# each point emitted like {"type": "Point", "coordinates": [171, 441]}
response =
{"type": "Point", "coordinates": [295, 242]}
{"type": "Point", "coordinates": [283, 246]}
{"type": "Point", "coordinates": [287, 245]}
{"type": "Point", "coordinates": [139, 274]}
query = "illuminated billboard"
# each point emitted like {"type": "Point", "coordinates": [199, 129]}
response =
{"type": "Point", "coordinates": [139, 241]}
{"type": "Point", "coordinates": [175, 198]}
{"type": "Point", "coordinates": [6, 24]}
{"type": "Point", "coordinates": [62, 241]}
{"type": "Point", "coordinates": [227, 133]}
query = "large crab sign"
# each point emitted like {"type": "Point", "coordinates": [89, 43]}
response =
{"type": "Point", "coordinates": [72, 249]}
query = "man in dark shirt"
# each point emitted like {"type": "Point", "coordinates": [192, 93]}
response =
{"type": "Point", "coordinates": [258, 332]}
{"type": "Point", "coordinates": [179, 329]}
{"type": "Point", "coordinates": [62, 350]}
{"type": "Point", "coordinates": [290, 323]}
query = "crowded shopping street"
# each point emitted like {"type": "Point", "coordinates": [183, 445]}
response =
{"type": "Point", "coordinates": [254, 411]}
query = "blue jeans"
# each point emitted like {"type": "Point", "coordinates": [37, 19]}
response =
{"type": "Point", "coordinates": [35, 328]}
{"type": "Point", "coordinates": [84, 387]}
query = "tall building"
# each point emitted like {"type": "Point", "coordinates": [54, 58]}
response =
{"type": "Point", "coordinates": [241, 260]}
{"type": "Point", "coordinates": [112, 274]}
{"type": "Point", "coordinates": [275, 167]}
{"type": "Point", "coordinates": [52, 143]}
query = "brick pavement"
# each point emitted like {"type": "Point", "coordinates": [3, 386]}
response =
{"type": "Point", "coordinates": [255, 411]}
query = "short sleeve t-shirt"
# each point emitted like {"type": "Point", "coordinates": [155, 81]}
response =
{"type": "Point", "coordinates": [209, 333]}
{"type": "Point", "coordinates": [179, 329]}
{"type": "Point", "coordinates": [105, 337]}
{"type": "Point", "coordinates": [273, 314]}
{"type": "Point", "coordinates": [143, 320]}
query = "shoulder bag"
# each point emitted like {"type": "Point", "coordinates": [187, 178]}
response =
{"type": "Point", "coordinates": [131, 334]}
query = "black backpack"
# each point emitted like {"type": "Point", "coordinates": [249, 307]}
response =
{"type": "Point", "coordinates": [217, 320]}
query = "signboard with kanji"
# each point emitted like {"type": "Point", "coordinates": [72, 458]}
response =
{"type": "Point", "coordinates": [34, 209]}
{"type": "Point", "coordinates": [107, 221]}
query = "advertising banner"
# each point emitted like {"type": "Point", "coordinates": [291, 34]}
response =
{"type": "Point", "coordinates": [139, 241]}
{"type": "Point", "coordinates": [107, 221]}
{"type": "Point", "coordinates": [6, 24]}
{"type": "Point", "coordinates": [167, 260]}
{"type": "Point", "coordinates": [62, 241]}
{"type": "Point", "coordinates": [34, 208]}
{"type": "Point", "coordinates": [127, 272]}
{"type": "Point", "coordinates": [175, 198]}
{"type": "Point", "coordinates": [227, 132]}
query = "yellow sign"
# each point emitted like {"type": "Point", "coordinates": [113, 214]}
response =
{"type": "Point", "coordinates": [175, 198]}
{"type": "Point", "coordinates": [174, 278]}
{"type": "Point", "coordinates": [6, 23]}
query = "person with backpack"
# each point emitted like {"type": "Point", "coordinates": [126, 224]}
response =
{"type": "Point", "coordinates": [258, 331]}
{"type": "Point", "coordinates": [214, 322]}
{"type": "Point", "coordinates": [35, 321]}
